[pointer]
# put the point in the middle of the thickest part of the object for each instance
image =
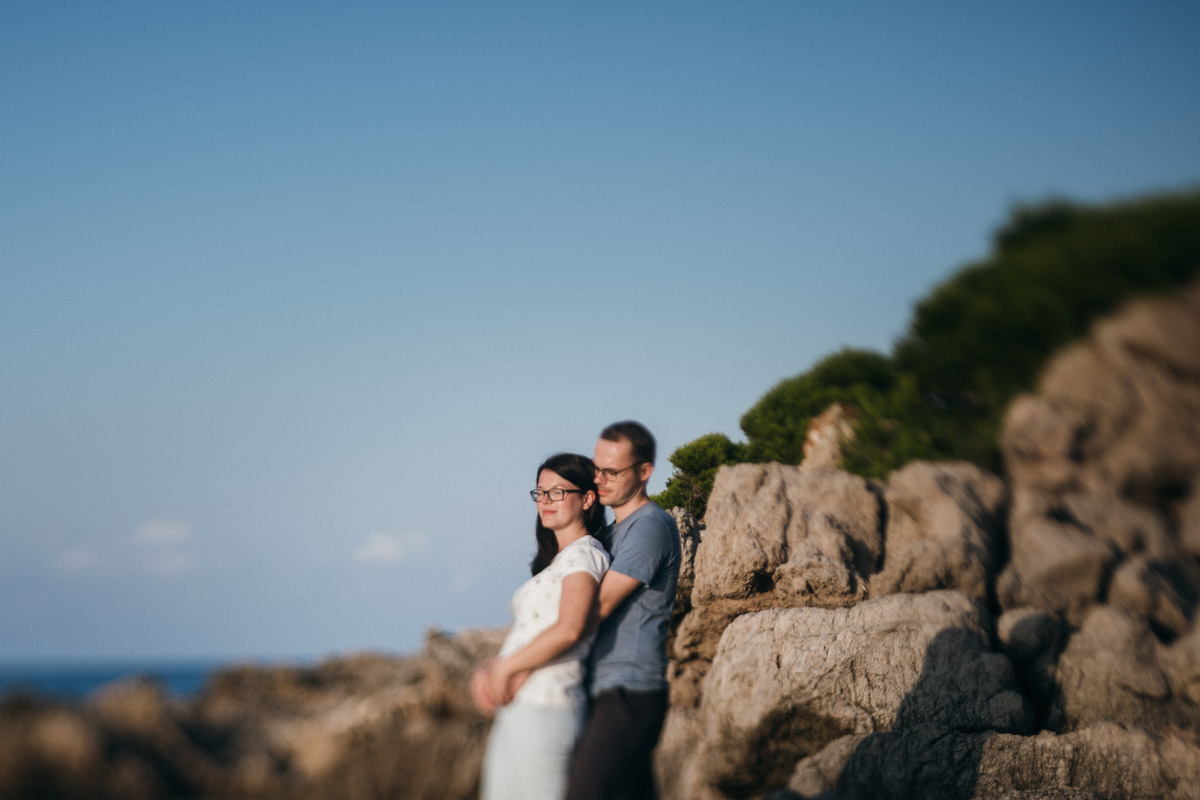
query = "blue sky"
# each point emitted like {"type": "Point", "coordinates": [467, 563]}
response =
{"type": "Point", "coordinates": [295, 297]}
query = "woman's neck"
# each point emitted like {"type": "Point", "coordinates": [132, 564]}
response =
{"type": "Point", "coordinates": [571, 534]}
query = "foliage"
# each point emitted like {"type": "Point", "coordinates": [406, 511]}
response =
{"type": "Point", "coordinates": [778, 423]}
{"type": "Point", "coordinates": [978, 339]}
{"type": "Point", "coordinates": [696, 465]}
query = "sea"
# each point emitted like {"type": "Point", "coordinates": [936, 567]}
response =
{"type": "Point", "coordinates": [73, 680]}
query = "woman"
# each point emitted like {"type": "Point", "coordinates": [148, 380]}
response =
{"type": "Point", "coordinates": [538, 721]}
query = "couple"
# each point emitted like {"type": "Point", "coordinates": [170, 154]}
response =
{"type": "Point", "coordinates": [544, 745]}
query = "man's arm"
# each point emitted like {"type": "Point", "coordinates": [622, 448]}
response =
{"type": "Point", "coordinates": [614, 589]}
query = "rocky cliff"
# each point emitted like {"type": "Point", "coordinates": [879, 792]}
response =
{"type": "Point", "coordinates": [356, 728]}
{"type": "Point", "coordinates": [945, 633]}
{"type": "Point", "coordinates": [948, 634]}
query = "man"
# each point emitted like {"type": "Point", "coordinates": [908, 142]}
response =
{"type": "Point", "coordinates": [629, 659]}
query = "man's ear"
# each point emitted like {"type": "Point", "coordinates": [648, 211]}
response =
{"type": "Point", "coordinates": [645, 470]}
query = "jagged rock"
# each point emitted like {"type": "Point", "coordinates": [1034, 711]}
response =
{"type": "Point", "coordinates": [1114, 669]}
{"type": "Point", "coordinates": [928, 761]}
{"type": "Point", "coordinates": [1161, 591]}
{"type": "Point", "coordinates": [1032, 639]}
{"type": "Point", "coordinates": [690, 533]}
{"type": "Point", "coordinates": [786, 682]}
{"type": "Point", "coordinates": [675, 764]}
{"type": "Point", "coordinates": [818, 773]}
{"type": "Point", "coordinates": [1116, 414]}
{"type": "Point", "coordinates": [1099, 460]}
{"type": "Point", "coordinates": [1188, 514]}
{"type": "Point", "coordinates": [774, 536]}
{"type": "Point", "coordinates": [49, 751]}
{"type": "Point", "coordinates": [1066, 548]}
{"type": "Point", "coordinates": [351, 728]}
{"type": "Point", "coordinates": [1056, 562]}
{"type": "Point", "coordinates": [1026, 634]}
{"type": "Point", "coordinates": [785, 536]}
{"type": "Point", "coordinates": [943, 529]}
{"type": "Point", "coordinates": [684, 674]}
{"type": "Point", "coordinates": [827, 434]}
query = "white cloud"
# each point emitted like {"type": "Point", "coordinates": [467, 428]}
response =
{"type": "Point", "coordinates": [76, 559]}
{"type": "Point", "coordinates": [389, 548]}
{"type": "Point", "coordinates": [162, 531]}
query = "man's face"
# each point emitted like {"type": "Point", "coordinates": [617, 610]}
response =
{"type": "Point", "coordinates": [619, 478]}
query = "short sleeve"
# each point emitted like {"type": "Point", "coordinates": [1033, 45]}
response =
{"type": "Point", "coordinates": [644, 548]}
{"type": "Point", "coordinates": [584, 557]}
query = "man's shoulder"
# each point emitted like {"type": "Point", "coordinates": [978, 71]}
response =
{"type": "Point", "coordinates": [648, 526]}
{"type": "Point", "coordinates": [651, 516]}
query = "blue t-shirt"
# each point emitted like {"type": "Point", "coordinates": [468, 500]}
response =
{"type": "Point", "coordinates": [631, 645]}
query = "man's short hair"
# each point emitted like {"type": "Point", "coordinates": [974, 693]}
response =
{"type": "Point", "coordinates": [641, 440]}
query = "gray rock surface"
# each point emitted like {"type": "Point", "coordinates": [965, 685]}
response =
{"type": "Point", "coordinates": [1103, 463]}
{"type": "Point", "coordinates": [1116, 414]}
{"type": "Point", "coordinates": [785, 536]}
{"type": "Point", "coordinates": [774, 536]}
{"type": "Point", "coordinates": [352, 728]}
{"type": "Point", "coordinates": [1072, 550]}
{"type": "Point", "coordinates": [944, 530]}
{"type": "Point", "coordinates": [786, 682]}
{"type": "Point", "coordinates": [930, 762]}
{"type": "Point", "coordinates": [1115, 670]}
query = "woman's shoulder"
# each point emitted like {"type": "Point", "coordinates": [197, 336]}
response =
{"type": "Point", "coordinates": [584, 552]}
{"type": "Point", "coordinates": [592, 543]}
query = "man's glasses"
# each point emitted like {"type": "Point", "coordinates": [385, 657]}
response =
{"type": "Point", "coordinates": [554, 494]}
{"type": "Point", "coordinates": [611, 474]}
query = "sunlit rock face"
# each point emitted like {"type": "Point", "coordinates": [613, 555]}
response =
{"type": "Point", "coordinates": [1067, 591]}
{"type": "Point", "coordinates": [356, 727]}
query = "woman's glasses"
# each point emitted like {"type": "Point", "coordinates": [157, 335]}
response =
{"type": "Point", "coordinates": [553, 495]}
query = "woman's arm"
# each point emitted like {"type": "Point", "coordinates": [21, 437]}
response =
{"type": "Point", "coordinates": [575, 608]}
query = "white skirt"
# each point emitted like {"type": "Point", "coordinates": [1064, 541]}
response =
{"type": "Point", "coordinates": [529, 752]}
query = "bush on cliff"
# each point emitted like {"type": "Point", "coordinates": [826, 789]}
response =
{"type": "Point", "coordinates": [696, 465]}
{"type": "Point", "coordinates": [977, 340]}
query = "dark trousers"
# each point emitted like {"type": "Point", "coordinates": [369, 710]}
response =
{"type": "Point", "coordinates": [613, 759]}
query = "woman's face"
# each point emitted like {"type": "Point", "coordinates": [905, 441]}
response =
{"type": "Point", "coordinates": [559, 514]}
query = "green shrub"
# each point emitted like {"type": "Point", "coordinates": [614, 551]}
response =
{"type": "Point", "coordinates": [778, 423]}
{"type": "Point", "coordinates": [696, 465]}
{"type": "Point", "coordinates": [978, 339]}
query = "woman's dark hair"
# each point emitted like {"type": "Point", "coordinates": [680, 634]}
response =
{"type": "Point", "coordinates": [580, 471]}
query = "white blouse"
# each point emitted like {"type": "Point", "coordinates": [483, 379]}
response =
{"type": "Point", "coordinates": [534, 608]}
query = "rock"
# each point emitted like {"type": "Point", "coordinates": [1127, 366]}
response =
{"type": "Point", "coordinates": [1066, 547]}
{"type": "Point", "coordinates": [351, 728]}
{"type": "Point", "coordinates": [1056, 562]}
{"type": "Point", "coordinates": [785, 536]}
{"type": "Point", "coordinates": [944, 523]}
{"type": "Point", "coordinates": [1181, 663]}
{"type": "Point", "coordinates": [138, 706]}
{"type": "Point", "coordinates": [818, 773]}
{"type": "Point", "coordinates": [828, 433]}
{"type": "Point", "coordinates": [1099, 460]}
{"type": "Point", "coordinates": [690, 533]}
{"type": "Point", "coordinates": [1032, 639]}
{"type": "Point", "coordinates": [1116, 415]}
{"type": "Point", "coordinates": [1188, 514]}
{"type": "Point", "coordinates": [675, 765]}
{"type": "Point", "coordinates": [1027, 634]}
{"type": "Point", "coordinates": [1161, 591]}
{"type": "Point", "coordinates": [774, 536]}
{"type": "Point", "coordinates": [786, 682]}
{"type": "Point", "coordinates": [1115, 670]}
{"type": "Point", "coordinates": [1105, 761]}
